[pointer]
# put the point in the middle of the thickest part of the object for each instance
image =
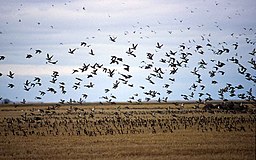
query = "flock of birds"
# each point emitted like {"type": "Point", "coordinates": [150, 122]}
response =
{"type": "Point", "coordinates": [206, 60]}
{"type": "Point", "coordinates": [75, 121]}
{"type": "Point", "coordinates": [162, 65]}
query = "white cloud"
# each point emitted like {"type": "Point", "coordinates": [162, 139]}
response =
{"type": "Point", "coordinates": [34, 70]}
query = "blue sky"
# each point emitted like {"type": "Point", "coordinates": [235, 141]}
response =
{"type": "Point", "coordinates": [54, 27]}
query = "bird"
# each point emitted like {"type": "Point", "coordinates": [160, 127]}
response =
{"type": "Point", "coordinates": [111, 72]}
{"type": "Point", "coordinates": [91, 52]}
{"type": "Point", "coordinates": [150, 56]}
{"type": "Point", "coordinates": [42, 93]}
{"type": "Point", "coordinates": [71, 51]}
{"type": "Point", "coordinates": [116, 84]}
{"type": "Point", "coordinates": [53, 62]}
{"type": "Point", "coordinates": [85, 67]}
{"type": "Point", "coordinates": [127, 67]}
{"type": "Point", "coordinates": [90, 85]}
{"type": "Point", "coordinates": [134, 46]}
{"type": "Point", "coordinates": [50, 89]}
{"type": "Point", "coordinates": [11, 75]}
{"type": "Point", "coordinates": [198, 47]}
{"type": "Point", "coordinates": [113, 39]}
{"type": "Point", "coordinates": [38, 51]}
{"type": "Point", "coordinates": [235, 45]}
{"type": "Point", "coordinates": [158, 45]}
{"type": "Point", "coordinates": [83, 44]}
{"type": "Point", "coordinates": [29, 56]}
{"type": "Point", "coordinates": [10, 85]}
{"type": "Point", "coordinates": [130, 52]}
{"type": "Point", "coordinates": [49, 57]}
{"type": "Point", "coordinates": [75, 71]}
{"type": "Point", "coordinates": [2, 57]}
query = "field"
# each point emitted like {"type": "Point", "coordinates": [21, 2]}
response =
{"type": "Point", "coordinates": [124, 131]}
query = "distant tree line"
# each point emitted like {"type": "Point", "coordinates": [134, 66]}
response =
{"type": "Point", "coordinates": [5, 101]}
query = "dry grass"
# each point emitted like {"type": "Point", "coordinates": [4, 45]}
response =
{"type": "Point", "coordinates": [183, 143]}
{"type": "Point", "coordinates": [177, 145]}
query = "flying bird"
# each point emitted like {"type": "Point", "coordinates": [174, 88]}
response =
{"type": "Point", "coordinates": [11, 75]}
{"type": "Point", "coordinates": [2, 57]}
{"type": "Point", "coordinates": [113, 39]}
{"type": "Point", "coordinates": [38, 51]}
{"type": "Point", "coordinates": [158, 45]}
{"type": "Point", "coordinates": [71, 51]}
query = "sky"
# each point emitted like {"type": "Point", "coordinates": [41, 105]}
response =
{"type": "Point", "coordinates": [212, 33]}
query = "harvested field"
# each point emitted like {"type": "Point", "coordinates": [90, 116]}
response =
{"type": "Point", "coordinates": [162, 131]}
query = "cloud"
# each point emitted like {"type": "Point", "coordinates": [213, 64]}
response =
{"type": "Point", "coordinates": [34, 70]}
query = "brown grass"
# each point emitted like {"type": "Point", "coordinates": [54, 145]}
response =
{"type": "Point", "coordinates": [181, 144]}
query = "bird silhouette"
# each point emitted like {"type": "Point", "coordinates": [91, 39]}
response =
{"type": "Point", "coordinates": [2, 57]}
{"type": "Point", "coordinates": [134, 46]}
{"type": "Point", "coordinates": [38, 51]}
{"type": "Point", "coordinates": [49, 57]}
{"type": "Point", "coordinates": [29, 56]}
{"type": "Point", "coordinates": [83, 44]}
{"type": "Point", "coordinates": [158, 45]}
{"type": "Point", "coordinates": [91, 52]}
{"type": "Point", "coordinates": [113, 39]}
{"type": "Point", "coordinates": [10, 85]}
{"type": "Point", "coordinates": [71, 51]}
{"type": "Point", "coordinates": [11, 75]}
{"type": "Point", "coordinates": [127, 67]}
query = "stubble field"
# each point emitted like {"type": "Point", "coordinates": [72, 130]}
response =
{"type": "Point", "coordinates": [123, 131]}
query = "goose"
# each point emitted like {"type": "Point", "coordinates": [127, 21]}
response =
{"type": "Point", "coordinates": [134, 46]}
{"type": "Point", "coordinates": [42, 93]}
{"type": "Point", "coordinates": [253, 53]}
{"type": "Point", "coordinates": [198, 47]}
{"type": "Point", "coordinates": [107, 90]}
{"type": "Point", "coordinates": [111, 72]}
{"type": "Point", "coordinates": [26, 88]}
{"type": "Point", "coordinates": [126, 76]}
{"type": "Point", "coordinates": [75, 71]}
{"type": "Point", "coordinates": [115, 85]}
{"type": "Point", "coordinates": [37, 79]}
{"type": "Point", "coordinates": [220, 64]}
{"type": "Point", "coordinates": [71, 51]}
{"type": "Point", "coordinates": [83, 44]}
{"type": "Point", "coordinates": [29, 56]}
{"type": "Point", "coordinates": [11, 75]}
{"type": "Point", "coordinates": [241, 69]}
{"type": "Point", "coordinates": [235, 45]}
{"type": "Point", "coordinates": [142, 87]}
{"type": "Point", "coordinates": [90, 85]}
{"type": "Point", "coordinates": [38, 51]}
{"type": "Point", "coordinates": [85, 67]}
{"type": "Point", "coordinates": [91, 52]}
{"type": "Point", "coordinates": [55, 74]}
{"type": "Point", "coordinates": [53, 62]}
{"type": "Point", "coordinates": [79, 79]}
{"type": "Point", "coordinates": [158, 45]}
{"type": "Point", "coordinates": [10, 85]}
{"type": "Point", "coordinates": [53, 80]}
{"type": "Point", "coordinates": [113, 39]}
{"type": "Point", "coordinates": [150, 56]}
{"type": "Point", "coordinates": [52, 90]}
{"type": "Point", "coordinates": [130, 52]}
{"type": "Point", "coordinates": [27, 83]}
{"type": "Point", "coordinates": [127, 67]}
{"type": "Point", "coordinates": [2, 57]}
{"type": "Point", "coordinates": [84, 95]}
{"type": "Point", "coordinates": [49, 57]}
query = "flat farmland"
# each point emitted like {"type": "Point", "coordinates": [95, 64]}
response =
{"type": "Point", "coordinates": [124, 131]}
